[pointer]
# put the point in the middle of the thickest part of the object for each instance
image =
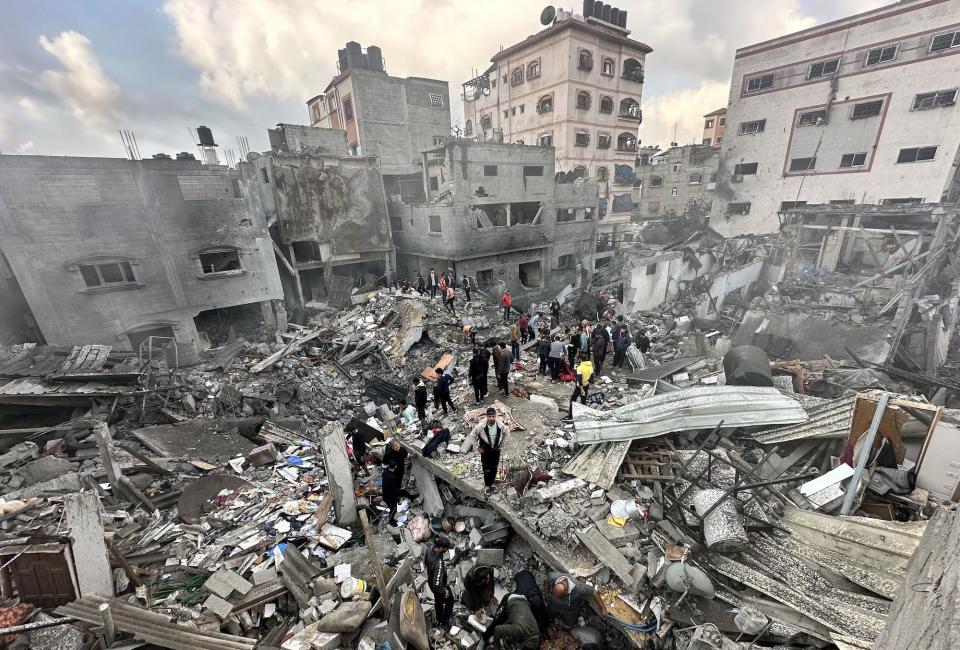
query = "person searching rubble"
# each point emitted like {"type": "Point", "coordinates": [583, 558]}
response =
{"type": "Point", "coordinates": [436, 564]}
{"type": "Point", "coordinates": [567, 600]}
{"type": "Point", "coordinates": [489, 434]}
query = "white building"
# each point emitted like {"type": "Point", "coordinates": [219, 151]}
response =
{"type": "Point", "coordinates": [859, 110]}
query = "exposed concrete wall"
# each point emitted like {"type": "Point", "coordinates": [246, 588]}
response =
{"type": "Point", "coordinates": [60, 212]}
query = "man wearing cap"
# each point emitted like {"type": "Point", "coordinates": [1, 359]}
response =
{"type": "Point", "coordinates": [489, 435]}
{"type": "Point", "coordinates": [436, 565]}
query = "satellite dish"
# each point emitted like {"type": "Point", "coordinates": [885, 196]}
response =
{"type": "Point", "coordinates": [682, 578]}
{"type": "Point", "coordinates": [547, 15]}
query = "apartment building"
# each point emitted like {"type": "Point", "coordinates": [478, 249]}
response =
{"type": "Point", "coordinates": [576, 86]}
{"type": "Point", "coordinates": [500, 214]}
{"type": "Point", "coordinates": [678, 182]}
{"type": "Point", "coordinates": [858, 110]}
{"type": "Point", "coordinates": [714, 125]}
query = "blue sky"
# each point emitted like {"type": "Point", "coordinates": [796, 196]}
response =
{"type": "Point", "coordinates": [73, 73]}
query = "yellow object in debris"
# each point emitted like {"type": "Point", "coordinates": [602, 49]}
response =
{"type": "Point", "coordinates": [619, 522]}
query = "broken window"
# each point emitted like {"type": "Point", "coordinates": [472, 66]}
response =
{"type": "Point", "coordinates": [566, 261]}
{"type": "Point", "coordinates": [630, 109]}
{"type": "Point", "coordinates": [608, 66]}
{"type": "Point", "coordinates": [565, 215]}
{"type": "Point", "coordinates": [583, 99]}
{"type": "Point", "coordinates": [823, 68]}
{"type": "Point", "coordinates": [944, 41]}
{"type": "Point", "coordinates": [264, 176]}
{"type": "Point", "coordinates": [486, 122]}
{"type": "Point", "coordinates": [745, 169]}
{"type": "Point", "coordinates": [603, 140]}
{"type": "Point", "coordinates": [755, 126]}
{"type": "Point", "coordinates": [98, 274]}
{"type": "Point", "coordinates": [606, 104]}
{"type": "Point", "coordinates": [632, 70]}
{"type": "Point", "coordinates": [881, 54]}
{"type": "Point", "coordinates": [468, 128]}
{"type": "Point", "coordinates": [545, 104]}
{"type": "Point", "coordinates": [853, 160]}
{"type": "Point", "coordinates": [532, 170]}
{"type": "Point", "coordinates": [812, 118]}
{"type": "Point", "coordinates": [219, 260]}
{"type": "Point", "coordinates": [926, 101]}
{"type": "Point", "coordinates": [533, 70]}
{"type": "Point", "coordinates": [916, 154]}
{"type": "Point", "coordinates": [656, 181]}
{"type": "Point", "coordinates": [696, 178]}
{"type": "Point", "coordinates": [585, 60]}
{"type": "Point", "coordinates": [602, 173]}
{"type": "Point", "coordinates": [626, 142]}
{"type": "Point", "coordinates": [436, 99]}
{"type": "Point", "coordinates": [516, 77]}
{"type": "Point", "coordinates": [582, 139]}
{"type": "Point", "coordinates": [489, 170]}
{"type": "Point", "coordinates": [738, 208]}
{"type": "Point", "coordinates": [866, 109]}
{"type": "Point", "coordinates": [803, 164]}
{"type": "Point", "coordinates": [348, 109]}
{"type": "Point", "coordinates": [762, 82]}
{"type": "Point", "coordinates": [434, 223]}
{"type": "Point", "coordinates": [545, 140]}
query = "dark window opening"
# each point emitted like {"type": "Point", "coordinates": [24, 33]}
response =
{"type": "Point", "coordinates": [105, 273]}
{"type": "Point", "coordinates": [916, 154]}
{"type": "Point", "coordinates": [220, 261]}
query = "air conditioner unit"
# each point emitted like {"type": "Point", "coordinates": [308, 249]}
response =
{"type": "Point", "coordinates": [736, 178]}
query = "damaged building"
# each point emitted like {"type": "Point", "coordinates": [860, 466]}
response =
{"type": "Point", "coordinates": [497, 213]}
{"type": "Point", "coordinates": [115, 251]}
{"type": "Point", "coordinates": [327, 210]}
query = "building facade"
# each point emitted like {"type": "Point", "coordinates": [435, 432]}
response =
{"type": "Point", "coordinates": [678, 182]}
{"type": "Point", "coordinates": [859, 110]}
{"type": "Point", "coordinates": [389, 117]}
{"type": "Point", "coordinates": [576, 86]}
{"type": "Point", "coordinates": [714, 125]}
{"type": "Point", "coordinates": [112, 251]}
{"type": "Point", "coordinates": [497, 213]}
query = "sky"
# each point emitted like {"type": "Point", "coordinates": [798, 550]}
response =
{"type": "Point", "coordinates": [72, 74]}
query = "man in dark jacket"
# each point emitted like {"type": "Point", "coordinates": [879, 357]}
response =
{"type": "Point", "coordinates": [420, 401]}
{"type": "Point", "coordinates": [478, 375]}
{"type": "Point", "coordinates": [490, 434]}
{"type": "Point", "coordinates": [441, 392]}
{"type": "Point", "coordinates": [436, 565]}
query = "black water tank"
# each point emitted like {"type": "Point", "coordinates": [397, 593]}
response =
{"type": "Point", "coordinates": [587, 8]}
{"type": "Point", "coordinates": [354, 55]}
{"type": "Point", "coordinates": [375, 58]}
{"type": "Point", "coordinates": [606, 13]}
{"type": "Point", "coordinates": [623, 18]}
{"type": "Point", "coordinates": [205, 135]}
{"type": "Point", "coordinates": [747, 365]}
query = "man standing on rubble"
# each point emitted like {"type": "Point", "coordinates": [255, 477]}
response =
{"type": "Point", "coordinates": [507, 303]}
{"type": "Point", "coordinates": [478, 375]}
{"type": "Point", "coordinates": [566, 599]}
{"type": "Point", "coordinates": [420, 401]}
{"type": "Point", "coordinates": [515, 339]}
{"type": "Point", "coordinates": [489, 434]}
{"type": "Point", "coordinates": [503, 371]}
{"type": "Point", "coordinates": [436, 564]}
{"type": "Point", "coordinates": [441, 392]}
{"type": "Point", "coordinates": [433, 283]}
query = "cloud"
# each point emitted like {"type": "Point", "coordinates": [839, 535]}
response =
{"type": "Point", "coordinates": [681, 112]}
{"type": "Point", "coordinates": [81, 85]}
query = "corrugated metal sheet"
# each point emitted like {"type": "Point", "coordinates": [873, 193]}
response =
{"type": "Point", "coordinates": [153, 627]}
{"type": "Point", "coordinates": [700, 407]}
{"type": "Point", "coordinates": [826, 420]}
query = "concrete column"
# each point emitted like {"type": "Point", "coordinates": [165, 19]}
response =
{"type": "Point", "coordinates": [333, 443]}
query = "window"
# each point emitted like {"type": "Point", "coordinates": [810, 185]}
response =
{"type": "Point", "coordinates": [695, 178]}
{"type": "Point", "coordinates": [706, 142]}
{"type": "Point", "coordinates": [608, 67]}
{"type": "Point", "coordinates": [651, 269]}
{"type": "Point", "coordinates": [585, 60]}
{"type": "Point", "coordinates": [916, 154]}
{"type": "Point", "coordinates": [545, 140]}
{"type": "Point", "coordinates": [603, 140]}
{"type": "Point", "coordinates": [626, 142]}
{"type": "Point", "coordinates": [606, 104]}
{"type": "Point", "coordinates": [866, 109]}
{"type": "Point", "coordinates": [745, 169]}
{"type": "Point", "coordinates": [902, 201]}
{"type": "Point", "coordinates": [106, 273]}
{"type": "Point", "coordinates": [486, 122]}
{"type": "Point", "coordinates": [708, 124]}
{"type": "Point", "coordinates": [602, 173]}
{"type": "Point", "coordinates": [219, 260]}
{"type": "Point", "coordinates": [926, 101]}
{"type": "Point", "coordinates": [348, 109]}
{"type": "Point", "coordinates": [881, 54]}
{"type": "Point", "coordinates": [545, 104]}
{"type": "Point", "coordinates": [396, 224]}
{"type": "Point", "coordinates": [583, 99]}
{"type": "Point", "coordinates": [516, 78]}
{"type": "Point", "coordinates": [532, 170]}
{"type": "Point", "coordinates": [756, 126]}
{"type": "Point", "coordinates": [823, 68]}
{"type": "Point", "coordinates": [434, 223]}
{"type": "Point", "coordinates": [264, 176]}
{"type": "Point", "coordinates": [853, 160]}
{"type": "Point", "coordinates": [673, 191]}
{"type": "Point", "coordinates": [565, 215]}
{"type": "Point", "coordinates": [944, 41]}
{"type": "Point", "coordinates": [581, 139]}
{"type": "Point", "coordinates": [842, 202]}
{"type": "Point", "coordinates": [762, 82]}
{"type": "Point", "coordinates": [790, 205]}
{"type": "Point", "coordinates": [630, 109]}
{"type": "Point", "coordinates": [489, 170]}
{"type": "Point", "coordinates": [533, 70]}
{"type": "Point", "coordinates": [738, 208]}
{"type": "Point", "coordinates": [468, 128]}
{"type": "Point", "coordinates": [656, 181]}
{"type": "Point", "coordinates": [632, 70]}
{"type": "Point", "coordinates": [812, 118]}
{"type": "Point", "coordinates": [803, 164]}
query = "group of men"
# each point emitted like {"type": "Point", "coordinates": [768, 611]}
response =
{"type": "Point", "coordinates": [523, 618]}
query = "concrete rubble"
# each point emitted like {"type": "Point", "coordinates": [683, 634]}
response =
{"type": "Point", "coordinates": [711, 504]}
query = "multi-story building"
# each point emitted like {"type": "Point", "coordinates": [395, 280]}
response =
{"type": "Point", "coordinates": [714, 124]}
{"type": "Point", "coordinates": [388, 117]}
{"type": "Point", "coordinates": [500, 214]}
{"type": "Point", "coordinates": [858, 110]}
{"type": "Point", "coordinates": [576, 86]}
{"type": "Point", "coordinates": [113, 251]}
{"type": "Point", "coordinates": [678, 182]}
